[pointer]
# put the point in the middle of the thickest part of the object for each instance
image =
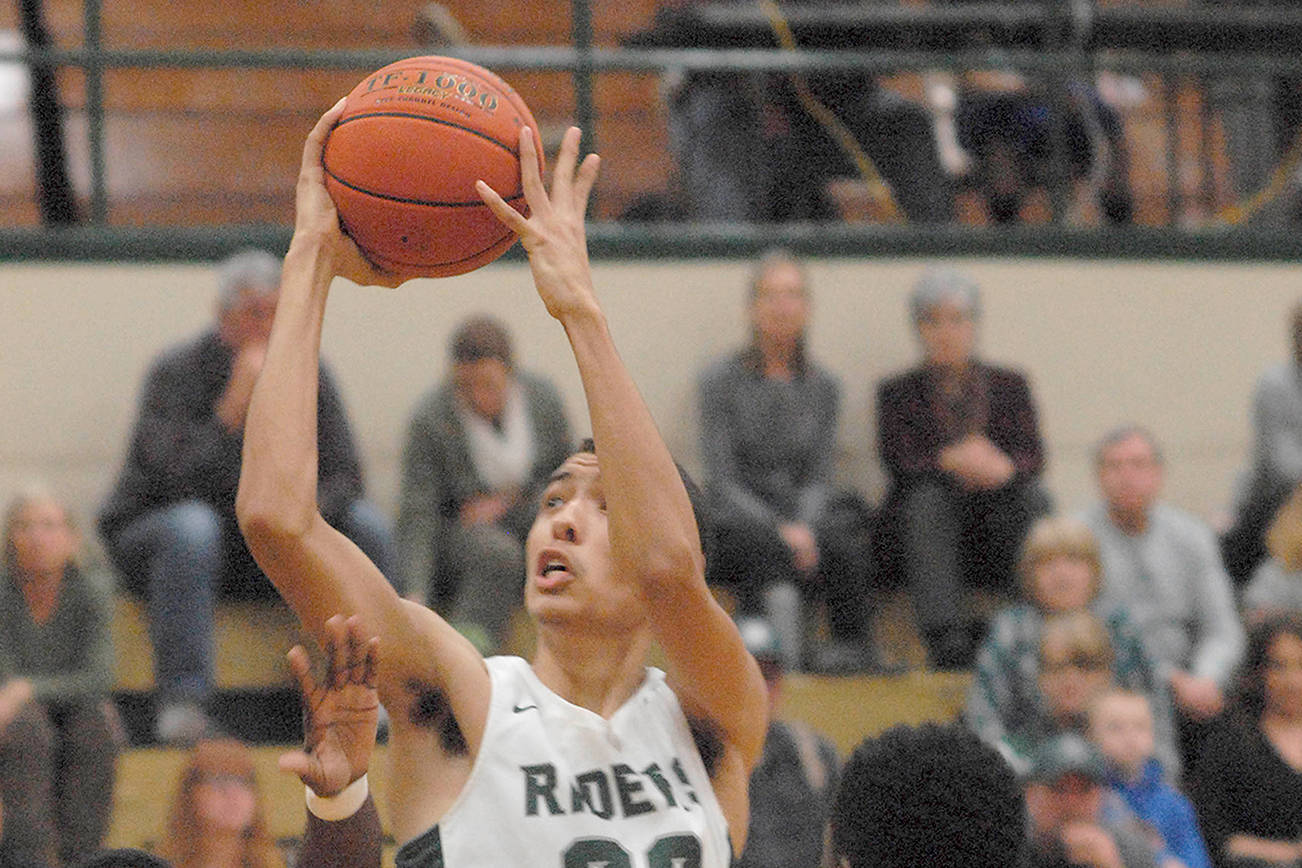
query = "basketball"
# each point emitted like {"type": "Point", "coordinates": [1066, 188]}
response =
{"type": "Point", "coordinates": [402, 161]}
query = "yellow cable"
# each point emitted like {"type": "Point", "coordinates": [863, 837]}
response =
{"type": "Point", "coordinates": [1245, 208]}
{"type": "Point", "coordinates": [878, 189]}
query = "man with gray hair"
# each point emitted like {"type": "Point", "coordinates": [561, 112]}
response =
{"type": "Point", "coordinates": [169, 522]}
{"type": "Point", "coordinates": [961, 443]}
{"type": "Point", "coordinates": [1163, 566]}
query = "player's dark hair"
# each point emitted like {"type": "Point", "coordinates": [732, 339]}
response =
{"type": "Point", "coordinates": [124, 857]}
{"type": "Point", "coordinates": [934, 796]}
{"type": "Point", "coordinates": [700, 507]}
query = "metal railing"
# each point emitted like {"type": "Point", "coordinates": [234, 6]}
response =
{"type": "Point", "coordinates": [1056, 40]}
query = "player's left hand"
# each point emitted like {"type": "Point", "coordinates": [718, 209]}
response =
{"type": "Point", "coordinates": [553, 234]}
{"type": "Point", "coordinates": [340, 713]}
{"type": "Point", "coordinates": [315, 215]}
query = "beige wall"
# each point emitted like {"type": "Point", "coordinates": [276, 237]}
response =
{"type": "Point", "coordinates": [1174, 346]}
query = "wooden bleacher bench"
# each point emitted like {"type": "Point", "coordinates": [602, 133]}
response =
{"type": "Point", "coordinates": [252, 639]}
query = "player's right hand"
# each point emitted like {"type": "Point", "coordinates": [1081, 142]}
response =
{"type": "Point", "coordinates": [316, 220]}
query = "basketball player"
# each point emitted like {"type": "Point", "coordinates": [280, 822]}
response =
{"type": "Point", "coordinates": [582, 755]}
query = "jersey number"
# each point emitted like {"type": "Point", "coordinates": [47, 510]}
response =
{"type": "Point", "coordinates": [671, 851]}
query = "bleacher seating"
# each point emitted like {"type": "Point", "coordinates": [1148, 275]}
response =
{"type": "Point", "coordinates": [209, 146]}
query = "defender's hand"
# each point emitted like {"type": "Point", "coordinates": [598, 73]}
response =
{"type": "Point", "coordinates": [340, 713]}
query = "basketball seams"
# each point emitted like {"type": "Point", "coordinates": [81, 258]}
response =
{"type": "Point", "coordinates": [388, 197]}
{"type": "Point", "coordinates": [515, 152]}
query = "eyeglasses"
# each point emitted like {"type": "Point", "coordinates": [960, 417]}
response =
{"type": "Point", "coordinates": [1078, 660]}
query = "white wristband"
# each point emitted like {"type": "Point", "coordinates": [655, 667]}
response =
{"type": "Point", "coordinates": [340, 806]}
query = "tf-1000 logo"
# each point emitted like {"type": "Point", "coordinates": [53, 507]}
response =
{"type": "Point", "coordinates": [432, 83]}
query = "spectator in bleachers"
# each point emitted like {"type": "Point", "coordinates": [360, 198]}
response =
{"type": "Point", "coordinates": [929, 796]}
{"type": "Point", "coordinates": [1122, 728]}
{"type": "Point", "coordinates": [169, 523]}
{"type": "Point", "coordinates": [961, 443]}
{"type": "Point", "coordinates": [1003, 124]}
{"type": "Point", "coordinates": [786, 537]}
{"type": "Point", "coordinates": [795, 781]}
{"type": "Point", "coordinates": [750, 147]}
{"type": "Point", "coordinates": [1276, 584]}
{"type": "Point", "coordinates": [1162, 565]}
{"type": "Point", "coordinates": [1074, 819]}
{"type": "Point", "coordinates": [1059, 570]}
{"type": "Point", "coordinates": [480, 448]}
{"type": "Point", "coordinates": [1077, 664]}
{"type": "Point", "coordinates": [57, 725]}
{"type": "Point", "coordinates": [1275, 465]}
{"type": "Point", "coordinates": [216, 819]}
{"type": "Point", "coordinates": [1247, 782]}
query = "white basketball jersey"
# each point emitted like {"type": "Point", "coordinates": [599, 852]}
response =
{"type": "Point", "coordinates": [557, 785]}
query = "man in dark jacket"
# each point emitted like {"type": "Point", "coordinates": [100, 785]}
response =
{"type": "Point", "coordinates": [169, 522]}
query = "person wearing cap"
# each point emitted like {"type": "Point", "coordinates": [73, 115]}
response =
{"type": "Point", "coordinates": [795, 782]}
{"type": "Point", "coordinates": [169, 522]}
{"type": "Point", "coordinates": [480, 448]}
{"type": "Point", "coordinates": [960, 441]}
{"type": "Point", "coordinates": [1073, 819]}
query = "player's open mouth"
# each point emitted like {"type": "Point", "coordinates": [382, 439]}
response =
{"type": "Point", "coordinates": [553, 571]}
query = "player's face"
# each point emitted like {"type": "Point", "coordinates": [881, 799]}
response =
{"type": "Point", "coordinates": [1123, 729]}
{"type": "Point", "coordinates": [1063, 583]}
{"type": "Point", "coordinates": [567, 553]}
{"type": "Point", "coordinates": [1130, 475]}
{"type": "Point", "coordinates": [948, 334]}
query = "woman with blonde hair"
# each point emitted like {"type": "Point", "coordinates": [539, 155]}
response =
{"type": "Point", "coordinates": [217, 818]}
{"type": "Point", "coordinates": [58, 729]}
{"type": "Point", "coordinates": [1060, 571]}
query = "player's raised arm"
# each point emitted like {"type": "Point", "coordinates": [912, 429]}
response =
{"type": "Point", "coordinates": [653, 534]}
{"type": "Point", "coordinates": [316, 569]}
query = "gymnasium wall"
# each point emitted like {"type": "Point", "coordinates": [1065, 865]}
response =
{"type": "Point", "coordinates": [1175, 346]}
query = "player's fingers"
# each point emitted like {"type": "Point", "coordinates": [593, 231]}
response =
{"type": "Point", "coordinates": [584, 181]}
{"type": "Point", "coordinates": [530, 175]}
{"type": "Point", "coordinates": [296, 762]}
{"type": "Point", "coordinates": [372, 662]}
{"type": "Point", "coordinates": [513, 219]}
{"type": "Point", "coordinates": [566, 160]}
{"type": "Point", "coordinates": [315, 144]}
{"type": "Point", "coordinates": [354, 669]}
{"type": "Point", "coordinates": [301, 666]}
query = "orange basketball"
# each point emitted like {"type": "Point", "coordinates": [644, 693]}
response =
{"type": "Point", "coordinates": [402, 162]}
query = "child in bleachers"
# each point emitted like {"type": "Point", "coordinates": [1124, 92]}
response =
{"type": "Point", "coordinates": [217, 819]}
{"type": "Point", "coordinates": [1121, 726]}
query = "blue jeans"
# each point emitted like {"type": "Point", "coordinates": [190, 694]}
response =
{"type": "Point", "coordinates": [181, 556]}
